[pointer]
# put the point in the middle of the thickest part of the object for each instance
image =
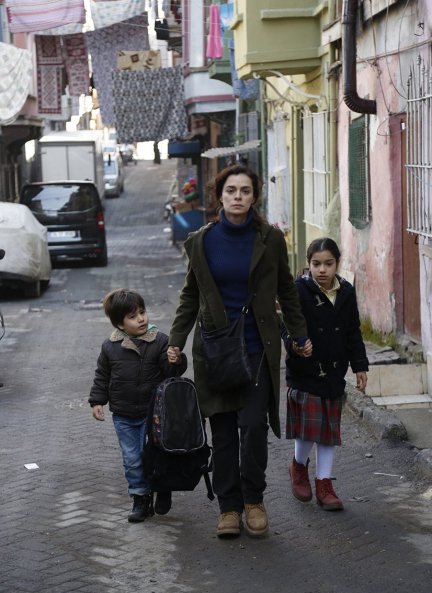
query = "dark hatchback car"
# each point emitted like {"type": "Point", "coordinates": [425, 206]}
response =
{"type": "Point", "coordinates": [72, 212]}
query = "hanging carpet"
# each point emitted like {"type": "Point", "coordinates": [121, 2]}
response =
{"type": "Point", "coordinates": [49, 60]}
{"type": "Point", "coordinates": [104, 45]}
{"type": "Point", "coordinates": [149, 105]}
{"type": "Point", "coordinates": [76, 64]}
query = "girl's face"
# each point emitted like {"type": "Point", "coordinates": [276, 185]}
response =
{"type": "Point", "coordinates": [136, 323]}
{"type": "Point", "coordinates": [237, 197]}
{"type": "Point", "coordinates": [323, 267]}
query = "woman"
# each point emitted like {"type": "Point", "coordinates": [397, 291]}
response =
{"type": "Point", "coordinates": [230, 259]}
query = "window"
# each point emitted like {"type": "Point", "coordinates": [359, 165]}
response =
{"type": "Point", "coordinates": [358, 172]}
{"type": "Point", "coordinates": [315, 167]}
{"type": "Point", "coordinates": [418, 159]}
{"type": "Point", "coordinates": [4, 27]}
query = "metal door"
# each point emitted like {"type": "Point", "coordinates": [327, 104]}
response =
{"type": "Point", "coordinates": [410, 258]}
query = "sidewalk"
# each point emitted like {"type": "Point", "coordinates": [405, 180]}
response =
{"type": "Point", "coordinates": [412, 426]}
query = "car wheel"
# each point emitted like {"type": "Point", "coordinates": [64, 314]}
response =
{"type": "Point", "coordinates": [32, 290]}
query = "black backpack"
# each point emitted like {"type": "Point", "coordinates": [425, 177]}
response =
{"type": "Point", "coordinates": [176, 454]}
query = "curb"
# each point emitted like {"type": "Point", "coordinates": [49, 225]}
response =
{"type": "Point", "coordinates": [384, 424]}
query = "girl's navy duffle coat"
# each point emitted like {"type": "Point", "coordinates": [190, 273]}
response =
{"type": "Point", "coordinates": [334, 331]}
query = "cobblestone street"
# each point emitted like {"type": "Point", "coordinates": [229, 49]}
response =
{"type": "Point", "coordinates": [64, 525]}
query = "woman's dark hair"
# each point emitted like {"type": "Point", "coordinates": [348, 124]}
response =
{"type": "Point", "coordinates": [323, 244]}
{"type": "Point", "coordinates": [217, 185]}
{"type": "Point", "coordinates": [121, 302]}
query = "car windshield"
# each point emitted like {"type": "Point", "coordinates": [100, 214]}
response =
{"type": "Point", "coordinates": [47, 199]}
{"type": "Point", "coordinates": [110, 167]}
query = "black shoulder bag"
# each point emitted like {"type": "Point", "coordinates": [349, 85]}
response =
{"type": "Point", "coordinates": [226, 359]}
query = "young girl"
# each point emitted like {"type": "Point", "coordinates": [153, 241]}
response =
{"type": "Point", "coordinates": [316, 384]}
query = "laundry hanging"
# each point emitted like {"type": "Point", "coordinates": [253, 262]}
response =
{"type": "Point", "coordinates": [214, 39]}
{"type": "Point", "coordinates": [76, 63]}
{"type": "Point", "coordinates": [27, 16]}
{"type": "Point", "coordinates": [162, 30]}
{"type": "Point", "coordinates": [108, 12]}
{"type": "Point", "coordinates": [247, 90]}
{"type": "Point", "coordinates": [149, 105]}
{"type": "Point", "coordinates": [16, 76]}
{"type": "Point", "coordinates": [49, 60]}
{"type": "Point", "coordinates": [104, 45]}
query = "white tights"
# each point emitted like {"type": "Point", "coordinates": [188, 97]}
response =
{"type": "Point", "coordinates": [324, 457]}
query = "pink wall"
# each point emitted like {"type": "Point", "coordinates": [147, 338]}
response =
{"type": "Point", "coordinates": [374, 253]}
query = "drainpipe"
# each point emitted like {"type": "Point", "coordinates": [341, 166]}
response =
{"type": "Point", "coordinates": [349, 66]}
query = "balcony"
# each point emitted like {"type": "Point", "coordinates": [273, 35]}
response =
{"type": "Point", "coordinates": [221, 69]}
{"type": "Point", "coordinates": [285, 37]}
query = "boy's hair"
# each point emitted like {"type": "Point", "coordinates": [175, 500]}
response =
{"type": "Point", "coordinates": [120, 302]}
{"type": "Point", "coordinates": [323, 244]}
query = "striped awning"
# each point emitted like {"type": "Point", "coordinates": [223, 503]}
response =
{"type": "Point", "coordinates": [222, 151]}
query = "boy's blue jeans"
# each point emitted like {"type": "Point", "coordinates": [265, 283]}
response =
{"type": "Point", "coordinates": [131, 436]}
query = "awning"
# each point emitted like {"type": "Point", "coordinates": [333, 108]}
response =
{"type": "Point", "coordinates": [229, 150]}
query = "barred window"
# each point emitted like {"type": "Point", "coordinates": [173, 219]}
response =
{"type": "Point", "coordinates": [358, 172]}
{"type": "Point", "coordinates": [315, 167]}
{"type": "Point", "coordinates": [419, 151]}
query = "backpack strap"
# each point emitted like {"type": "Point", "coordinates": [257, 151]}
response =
{"type": "Point", "coordinates": [210, 493]}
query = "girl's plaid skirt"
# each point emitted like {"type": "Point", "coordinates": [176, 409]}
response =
{"type": "Point", "coordinates": [312, 418]}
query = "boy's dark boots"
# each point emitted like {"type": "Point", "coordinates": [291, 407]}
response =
{"type": "Point", "coordinates": [300, 484]}
{"type": "Point", "coordinates": [163, 503]}
{"type": "Point", "coordinates": [141, 509]}
{"type": "Point", "coordinates": [326, 496]}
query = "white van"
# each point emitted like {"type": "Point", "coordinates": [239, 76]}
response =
{"type": "Point", "coordinates": [73, 156]}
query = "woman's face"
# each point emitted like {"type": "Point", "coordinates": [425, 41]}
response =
{"type": "Point", "coordinates": [237, 197]}
{"type": "Point", "coordinates": [323, 266]}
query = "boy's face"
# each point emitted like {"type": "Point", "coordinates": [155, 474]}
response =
{"type": "Point", "coordinates": [135, 323]}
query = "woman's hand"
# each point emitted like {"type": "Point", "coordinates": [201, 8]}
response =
{"type": "Point", "coordinates": [174, 354]}
{"type": "Point", "coordinates": [361, 381]}
{"type": "Point", "coordinates": [303, 351]}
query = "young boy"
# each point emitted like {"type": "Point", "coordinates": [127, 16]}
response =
{"type": "Point", "coordinates": [132, 362]}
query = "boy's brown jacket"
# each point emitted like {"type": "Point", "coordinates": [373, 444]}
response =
{"type": "Point", "coordinates": [269, 278]}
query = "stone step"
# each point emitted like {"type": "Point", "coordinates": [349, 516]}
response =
{"type": "Point", "coordinates": [397, 379]}
{"type": "Point", "coordinates": [400, 402]}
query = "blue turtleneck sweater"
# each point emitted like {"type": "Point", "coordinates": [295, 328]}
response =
{"type": "Point", "coordinates": [228, 249]}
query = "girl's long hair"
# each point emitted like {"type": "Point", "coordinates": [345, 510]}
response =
{"type": "Point", "coordinates": [323, 244]}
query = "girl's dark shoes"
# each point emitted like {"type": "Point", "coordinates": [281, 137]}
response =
{"type": "Point", "coordinates": [326, 496]}
{"type": "Point", "coordinates": [300, 484]}
{"type": "Point", "coordinates": [141, 509]}
{"type": "Point", "coordinates": [163, 503]}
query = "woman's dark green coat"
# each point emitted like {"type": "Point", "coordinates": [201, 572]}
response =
{"type": "Point", "coordinates": [269, 278]}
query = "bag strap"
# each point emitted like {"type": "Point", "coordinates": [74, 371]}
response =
{"type": "Point", "coordinates": [210, 494]}
{"type": "Point", "coordinates": [245, 307]}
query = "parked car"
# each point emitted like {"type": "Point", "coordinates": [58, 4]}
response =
{"type": "Point", "coordinates": [127, 152]}
{"type": "Point", "coordinates": [113, 174]}
{"type": "Point", "coordinates": [26, 264]}
{"type": "Point", "coordinates": [72, 213]}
